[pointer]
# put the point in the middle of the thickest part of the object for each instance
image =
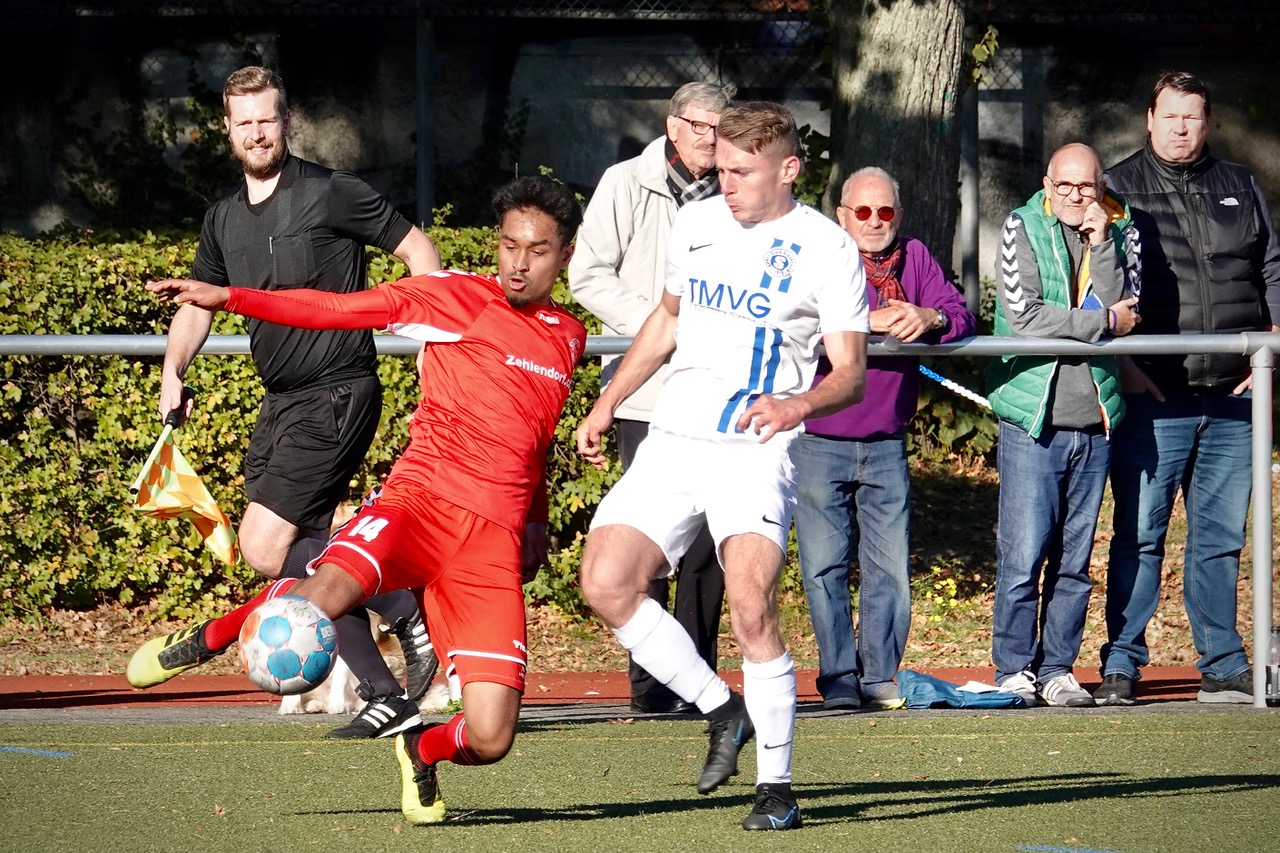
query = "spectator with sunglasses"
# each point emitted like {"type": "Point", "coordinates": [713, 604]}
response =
{"type": "Point", "coordinates": [852, 466]}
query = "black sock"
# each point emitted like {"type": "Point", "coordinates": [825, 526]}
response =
{"type": "Point", "coordinates": [360, 651]}
{"type": "Point", "coordinates": [309, 545]}
{"type": "Point", "coordinates": [728, 710]}
{"type": "Point", "coordinates": [394, 605]}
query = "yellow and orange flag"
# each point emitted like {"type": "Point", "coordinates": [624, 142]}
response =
{"type": "Point", "coordinates": [167, 487]}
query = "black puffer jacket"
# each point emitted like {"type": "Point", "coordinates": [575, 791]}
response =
{"type": "Point", "coordinates": [1209, 256]}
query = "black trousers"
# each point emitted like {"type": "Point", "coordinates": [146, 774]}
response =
{"type": "Point", "coordinates": [699, 580]}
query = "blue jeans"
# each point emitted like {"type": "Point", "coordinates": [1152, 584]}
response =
{"type": "Point", "coordinates": [1201, 443]}
{"type": "Point", "coordinates": [837, 479]}
{"type": "Point", "coordinates": [1050, 493]}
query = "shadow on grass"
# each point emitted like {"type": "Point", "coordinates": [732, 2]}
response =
{"type": "Point", "coordinates": [846, 803]}
{"type": "Point", "coordinates": [900, 801]}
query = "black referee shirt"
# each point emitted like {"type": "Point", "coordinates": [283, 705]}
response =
{"type": "Point", "coordinates": [310, 233]}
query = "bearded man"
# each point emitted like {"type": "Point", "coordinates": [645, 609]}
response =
{"type": "Point", "coordinates": [294, 224]}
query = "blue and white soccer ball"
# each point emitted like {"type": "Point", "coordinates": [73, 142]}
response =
{"type": "Point", "coordinates": [288, 646]}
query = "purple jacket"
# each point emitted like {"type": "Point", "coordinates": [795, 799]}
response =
{"type": "Point", "coordinates": [893, 382]}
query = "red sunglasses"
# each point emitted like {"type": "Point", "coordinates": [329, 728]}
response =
{"type": "Point", "coordinates": [863, 213]}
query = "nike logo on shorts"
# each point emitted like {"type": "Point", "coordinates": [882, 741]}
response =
{"type": "Point", "coordinates": [767, 520]}
{"type": "Point", "coordinates": [693, 247]}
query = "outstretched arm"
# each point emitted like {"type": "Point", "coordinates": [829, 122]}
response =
{"type": "Point", "coordinates": [185, 291]}
{"type": "Point", "coordinates": [303, 309]}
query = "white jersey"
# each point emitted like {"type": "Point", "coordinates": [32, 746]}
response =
{"type": "Point", "coordinates": [755, 301]}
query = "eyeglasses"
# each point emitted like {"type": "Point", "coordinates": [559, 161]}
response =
{"type": "Point", "coordinates": [699, 128]}
{"type": "Point", "coordinates": [863, 213]}
{"type": "Point", "coordinates": [1064, 188]}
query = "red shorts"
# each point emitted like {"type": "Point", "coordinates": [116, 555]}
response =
{"type": "Point", "coordinates": [465, 569]}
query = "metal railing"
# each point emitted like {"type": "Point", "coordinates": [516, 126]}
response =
{"type": "Point", "coordinates": [1260, 347]}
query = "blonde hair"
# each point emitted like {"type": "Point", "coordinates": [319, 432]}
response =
{"type": "Point", "coordinates": [756, 126]}
{"type": "Point", "coordinates": [251, 80]}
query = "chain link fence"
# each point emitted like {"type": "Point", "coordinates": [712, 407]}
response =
{"type": "Point", "coordinates": [651, 10]}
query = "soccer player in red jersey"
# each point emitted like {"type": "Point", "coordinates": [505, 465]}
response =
{"type": "Point", "coordinates": [448, 523]}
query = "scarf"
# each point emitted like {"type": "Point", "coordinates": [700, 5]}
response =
{"type": "Point", "coordinates": [885, 272]}
{"type": "Point", "coordinates": [684, 186]}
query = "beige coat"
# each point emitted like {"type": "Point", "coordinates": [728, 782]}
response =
{"type": "Point", "coordinates": [618, 267]}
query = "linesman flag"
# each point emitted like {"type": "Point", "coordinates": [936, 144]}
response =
{"type": "Point", "coordinates": [167, 487]}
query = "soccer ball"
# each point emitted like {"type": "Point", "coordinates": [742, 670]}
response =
{"type": "Point", "coordinates": [288, 646]}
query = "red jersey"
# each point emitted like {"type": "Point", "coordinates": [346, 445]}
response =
{"type": "Point", "coordinates": [495, 379]}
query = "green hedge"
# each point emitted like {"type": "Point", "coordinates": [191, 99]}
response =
{"type": "Point", "coordinates": [74, 430]}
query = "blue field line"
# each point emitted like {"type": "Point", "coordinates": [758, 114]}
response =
{"type": "Point", "coordinates": [47, 753]}
{"type": "Point", "coordinates": [1040, 848]}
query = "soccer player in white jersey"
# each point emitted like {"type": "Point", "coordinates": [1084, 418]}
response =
{"type": "Point", "coordinates": [754, 281]}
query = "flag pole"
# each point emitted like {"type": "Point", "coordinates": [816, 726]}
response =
{"type": "Point", "coordinates": [155, 451]}
{"type": "Point", "coordinates": [171, 422]}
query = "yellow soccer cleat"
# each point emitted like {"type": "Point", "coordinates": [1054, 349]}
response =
{"type": "Point", "coordinates": [162, 658]}
{"type": "Point", "coordinates": [420, 799]}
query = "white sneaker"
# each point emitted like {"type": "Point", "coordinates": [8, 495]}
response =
{"type": "Point", "coordinates": [1023, 684]}
{"type": "Point", "coordinates": [1065, 692]}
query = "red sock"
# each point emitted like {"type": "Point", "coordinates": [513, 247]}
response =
{"type": "Point", "coordinates": [225, 630]}
{"type": "Point", "coordinates": [447, 743]}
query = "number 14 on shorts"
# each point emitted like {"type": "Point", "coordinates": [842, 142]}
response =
{"type": "Point", "coordinates": [366, 528]}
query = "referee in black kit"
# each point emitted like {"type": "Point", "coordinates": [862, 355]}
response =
{"type": "Point", "coordinates": [291, 224]}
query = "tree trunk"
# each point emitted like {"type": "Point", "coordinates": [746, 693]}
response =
{"type": "Point", "coordinates": [896, 69]}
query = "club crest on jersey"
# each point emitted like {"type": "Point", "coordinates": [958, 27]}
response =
{"type": "Point", "coordinates": [779, 266]}
{"type": "Point", "coordinates": [575, 349]}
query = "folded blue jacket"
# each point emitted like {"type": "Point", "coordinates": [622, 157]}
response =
{"type": "Point", "coordinates": [924, 691]}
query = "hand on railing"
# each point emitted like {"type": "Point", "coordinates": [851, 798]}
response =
{"type": "Point", "coordinates": [903, 320]}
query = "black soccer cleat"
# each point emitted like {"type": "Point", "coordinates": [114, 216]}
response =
{"type": "Point", "coordinates": [730, 731]}
{"type": "Point", "coordinates": [420, 661]}
{"type": "Point", "coordinates": [775, 808]}
{"type": "Point", "coordinates": [381, 716]}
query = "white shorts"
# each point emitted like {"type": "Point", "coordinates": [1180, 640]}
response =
{"type": "Point", "coordinates": [675, 481]}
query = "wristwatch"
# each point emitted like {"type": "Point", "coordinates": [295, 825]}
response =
{"type": "Point", "coordinates": [943, 320]}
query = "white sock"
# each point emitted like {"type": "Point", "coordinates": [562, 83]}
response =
{"type": "Point", "coordinates": [770, 693]}
{"type": "Point", "coordinates": [658, 643]}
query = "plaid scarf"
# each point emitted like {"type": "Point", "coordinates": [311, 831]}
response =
{"type": "Point", "coordinates": [885, 272]}
{"type": "Point", "coordinates": [684, 186]}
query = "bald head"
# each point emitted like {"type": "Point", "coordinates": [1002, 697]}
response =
{"type": "Point", "coordinates": [1074, 154]}
{"type": "Point", "coordinates": [1073, 181]}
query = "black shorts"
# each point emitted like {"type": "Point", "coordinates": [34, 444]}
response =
{"type": "Point", "coordinates": [306, 447]}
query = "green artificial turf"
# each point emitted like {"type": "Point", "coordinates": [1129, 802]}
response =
{"type": "Point", "coordinates": [1126, 782]}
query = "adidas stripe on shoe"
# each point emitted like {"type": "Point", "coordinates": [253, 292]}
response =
{"type": "Point", "coordinates": [381, 716]}
{"type": "Point", "coordinates": [161, 658]}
